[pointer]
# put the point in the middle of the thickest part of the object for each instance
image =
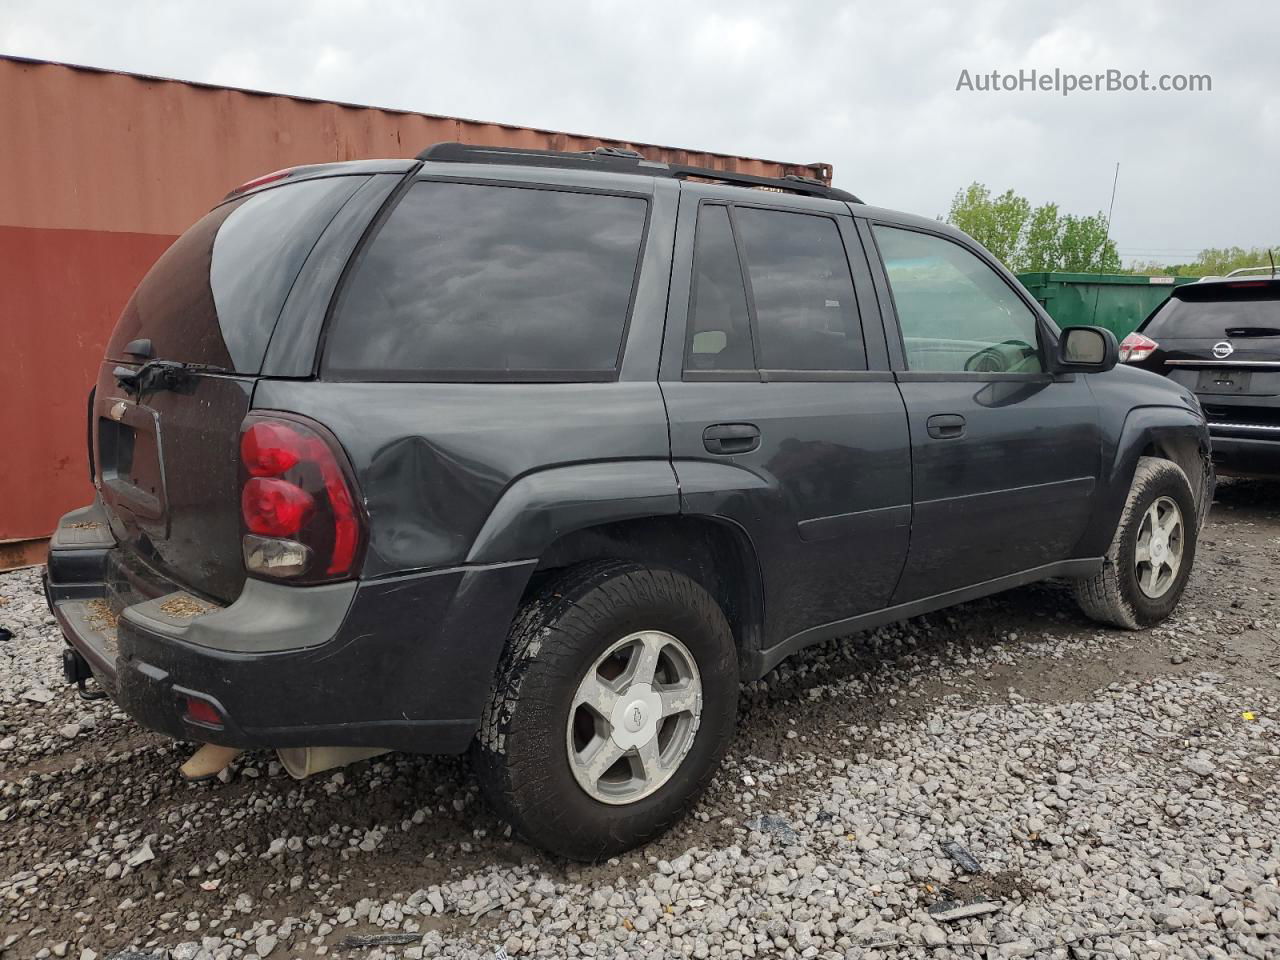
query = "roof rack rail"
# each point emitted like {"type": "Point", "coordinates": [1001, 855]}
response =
{"type": "Point", "coordinates": [1244, 270]}
{"type": "Point", "coordinates": [619, 160]}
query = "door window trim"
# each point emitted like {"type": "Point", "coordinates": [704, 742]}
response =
{"type": "Point", "coordinates": [1045, 337]}
{"type": "Point", "coordinates": [767, 374]}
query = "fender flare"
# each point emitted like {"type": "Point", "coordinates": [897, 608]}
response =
{"type": "Point", "coordinates": [539, 508]}
{"type": "Point", "coordinates": [1171, 429]}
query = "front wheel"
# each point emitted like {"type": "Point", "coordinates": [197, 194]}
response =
{"type": "Point", "coordinates": [1147, 566]}
{"type": "Point", "coordinates": [614, 703]}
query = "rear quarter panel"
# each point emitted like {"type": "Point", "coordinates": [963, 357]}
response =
{"type": "Point", "coordinates": [433, 460]}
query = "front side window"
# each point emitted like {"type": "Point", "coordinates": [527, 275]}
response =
{"type": "Point", "coordinates": [469, 281]}
{"type": "Point", "coordinates": [806, 313]}
{"type": "Point", "coordinates": [955, 312]}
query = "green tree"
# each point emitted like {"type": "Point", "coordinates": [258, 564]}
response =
{"type": "Point", "coordinates": [996, 224]}
{"type": "Point", "coordinates": [1023, 238]}
{"type": "Point", "coordinates": [1042, 245]}
{"type": "Point", "coordinates": [1211, 262]}
{"type": "Point", "coordinates": [1085, 246]}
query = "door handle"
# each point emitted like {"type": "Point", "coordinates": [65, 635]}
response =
{"type": "Point", "coordinates": [945, 426]}
{"type": "Point", "coordinates": [731, 438]}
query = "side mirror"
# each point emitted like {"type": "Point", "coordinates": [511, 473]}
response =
{"type": "Point", "coordinates": [1087, 349]}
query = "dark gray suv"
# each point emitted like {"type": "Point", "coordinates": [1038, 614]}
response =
{"type": "Point", "coordinates": [539, 455]}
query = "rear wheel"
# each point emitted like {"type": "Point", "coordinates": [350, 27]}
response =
{"type": "Point", "coordinates": [1150, 558]}
{"type": "Point", "coordinates": [614, 704]}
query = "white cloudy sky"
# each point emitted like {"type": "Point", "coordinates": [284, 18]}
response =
{"type": "Point", "coordinates": [869, 87]}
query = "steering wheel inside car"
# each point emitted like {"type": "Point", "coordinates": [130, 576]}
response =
{"type": "Point", "coordinates": [1010, 356]}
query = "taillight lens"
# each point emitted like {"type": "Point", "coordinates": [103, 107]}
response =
{"type": "Point", "coordinates": [202, 712]}
{"type": "Point", "coordinates": [301, 516]}
{"type": "Point", "coordinates": [260, 182]}
{"type": "Point", "coordinates": [275, 507]}
{"type": "Point", "coordinates": [269, 449]}
{"type": "Point", "coordinates": [1136, 347]}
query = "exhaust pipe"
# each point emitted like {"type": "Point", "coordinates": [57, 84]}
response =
{"type": "Point", "coordinates": [302, 762]}
{"type": "Point", "coordinates": [207, 762]}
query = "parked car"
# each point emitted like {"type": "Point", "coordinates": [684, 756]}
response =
{"type": "Point", "coordinates": [538, 455]}
{"type": "Point", "coordinates": [1221, 338]}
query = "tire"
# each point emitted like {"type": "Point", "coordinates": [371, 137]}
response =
{"type": "Point", "coordinates": [524, 754]}
{"type": "Point", "coordinates": [1116, 595]}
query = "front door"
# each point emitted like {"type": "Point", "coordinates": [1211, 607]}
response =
{"type": "Point", "coordinates": [1005, 455]}
{"type": "Point", "coordinates": [784, 420]}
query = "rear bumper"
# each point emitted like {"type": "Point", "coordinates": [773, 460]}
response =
{"type": "Point", "coordinates": [1246, 452]}
{"type": "Point", "coordinates": [404, 663]}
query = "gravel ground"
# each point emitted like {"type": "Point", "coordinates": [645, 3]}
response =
{"type": "Point", "coordinates": [1116, 790]}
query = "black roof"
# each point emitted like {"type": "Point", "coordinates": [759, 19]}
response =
{"type": "Point", "coordinates": [615, 160]}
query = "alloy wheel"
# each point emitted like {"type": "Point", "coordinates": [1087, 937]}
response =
{"type": "Point", "coordinates": [634, 717]}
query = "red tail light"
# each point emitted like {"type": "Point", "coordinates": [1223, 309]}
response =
{"type": "Point", "coordinates": [269, 449]}
{"type": "Point", "coordinates": [202, 712]}
{"type": "Point", "coordinates": [275, 507]}
{"type": "Point", "coordinates": [300, 512]}
{"type": "Point", "coordinates": [260, 182]}
{"type": "Point", "coordinates": [1136, 347]}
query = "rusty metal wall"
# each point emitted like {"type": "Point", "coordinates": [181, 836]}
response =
{"type": "Point", "coordinates": [100, 171]}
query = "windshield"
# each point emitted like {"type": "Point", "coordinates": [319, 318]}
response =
{"type": "Point", "coordinates": [214, 296]}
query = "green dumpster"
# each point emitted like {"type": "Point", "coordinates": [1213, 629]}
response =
{"type": "Point", "coordinates": [1117, 301]}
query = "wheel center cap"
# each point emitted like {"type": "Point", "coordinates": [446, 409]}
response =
{"type": "Point", "coordinates": [635, 717]}
{"type": "Point", "coordinates": [1157, 548]}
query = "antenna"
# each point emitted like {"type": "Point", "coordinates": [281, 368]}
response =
{"type": "Point", "coordinates": [1097, 287]}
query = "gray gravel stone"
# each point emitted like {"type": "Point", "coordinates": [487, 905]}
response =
{"type": "Point", "coordinates": [1092, 809]}
{"type": "Point", "coordinates": [1199, 766]}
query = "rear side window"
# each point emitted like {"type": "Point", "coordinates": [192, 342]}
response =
{"type": "Point", "coordinates": [1244, 311]}
{"type": "Point", "coordinates": [215, 295]}
{"type": "Point", "coordinates": [719, 325]}
{"type": "Point", "coordinates": [469, 281]}
{"type": "Point", "coordinates": [806, 315]}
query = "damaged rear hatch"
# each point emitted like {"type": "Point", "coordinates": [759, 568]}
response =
{"type": "Point", "coordinates": [179, 375]}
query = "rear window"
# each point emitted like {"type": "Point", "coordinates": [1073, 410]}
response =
{"type": "Point", "coordinates": [1231, 312]}
{"type": "Point", "coordinates": [214, 296]}
{"type": "Point", "coordinates": [468, 281]}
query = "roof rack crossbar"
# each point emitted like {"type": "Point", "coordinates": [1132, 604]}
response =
{"type": "Point", "coordinates": [619, 160]}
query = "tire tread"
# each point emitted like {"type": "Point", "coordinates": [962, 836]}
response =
{"type": "Point", "coordinates": [1102, 597]}
{"type": "Point", "coordinates": [549, 630]}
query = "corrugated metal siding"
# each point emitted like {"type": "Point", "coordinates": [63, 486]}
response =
{"type": "Point", "coordinates": [100, 171]}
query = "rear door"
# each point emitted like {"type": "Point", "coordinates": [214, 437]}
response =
{"type": "Point", "coordinates": [1005, 456]}
{"type": "Point", "coordinates": [167, 457]}
{"type": "Point", "coordinates": [1222, 340]}
{"type": "Point", "coordinates": [784, 417]}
